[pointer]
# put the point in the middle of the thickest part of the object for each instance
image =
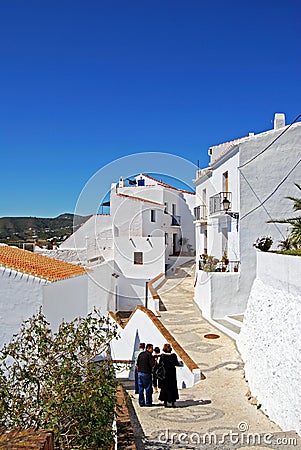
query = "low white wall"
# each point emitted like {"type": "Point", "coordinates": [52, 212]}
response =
{"type": "Point", "coordinates": [20, 297]}
{"type": "Point", "coordinates": [269, 341]}
{"type": "Point", "coordinates": [140, 328]}
{"type": "Point", "coordinates": [154, 303]}
{"type": "Point", "coordinates": [217, 294]}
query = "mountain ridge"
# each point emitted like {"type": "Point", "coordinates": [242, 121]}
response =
{"type": "Point", "coordinates": [29, 228]}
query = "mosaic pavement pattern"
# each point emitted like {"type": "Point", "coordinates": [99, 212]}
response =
{"type": "Point", "coordinates": [213, 414]}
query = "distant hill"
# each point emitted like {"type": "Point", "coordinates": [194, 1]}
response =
{"type": "Point", "coordinates": [29, 229]}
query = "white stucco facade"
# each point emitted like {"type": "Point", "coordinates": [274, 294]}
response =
{"type": "Point", "coordinates": [22, 295]}
{"type": "Point", "coordinates": [269, 340]}
{"type": "Point", "coordinates": [255, 177]}
{"type": "Point", "coordinates": [149, 226]}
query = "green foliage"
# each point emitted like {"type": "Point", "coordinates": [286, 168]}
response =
{"type": "Point", "coordinates": [20, 229]}
{"type": "Point", "coordinates": [295, 234]}
{"type": "Point", "coordinates": [51, 381]}
{"type": "Point", "coordinates": [285, 244]}
{"type": "Point", "coordinates": [295, 252]}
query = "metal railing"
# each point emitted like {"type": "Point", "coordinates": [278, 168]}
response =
{"type": "Point", "coordinates": [200, 212]}
{"type": "Point", "coordinates": [216, 202]}
{"type": "Point", "coordinates": [218, 266]}
{"type": "Point", "coordinates": [176, 221]}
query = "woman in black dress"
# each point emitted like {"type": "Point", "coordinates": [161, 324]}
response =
{"type": "Point", "coordinates": [169, 389]}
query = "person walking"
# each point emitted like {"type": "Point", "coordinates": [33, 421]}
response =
{"type": "Point", "coordinates": [156, 357]}
{"type": "Point", "coordinates": [136, 354]}
{"type": "Point", "coordinates": [145, 365]}
{"type": "Point", "coordinates": [169, 388]}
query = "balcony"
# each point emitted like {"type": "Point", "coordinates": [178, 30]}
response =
{"type": "Point", "coordinates": [200, 213]}
{"type": "Point", "coordinates": [214, 265]}
{"type": "Point", "coordinates": [216, 205]}
{"type": "Point", "coordinates": [176, 221]}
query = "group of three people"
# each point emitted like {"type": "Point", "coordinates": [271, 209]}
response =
{"type": "Point", "coordinates": [146, 366]}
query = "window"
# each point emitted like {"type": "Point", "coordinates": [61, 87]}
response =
{"type": "Point", "coordinates": [153, 215]}
{"type": "Point", "coordinates": [138, 258]}
{"type": "Point", "coordinates": [166, 238]}
{"type": "Point", "coordinates": [165, 208]}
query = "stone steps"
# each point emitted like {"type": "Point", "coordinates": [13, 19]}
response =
{"type": "Point", "coordinates": [230, 325]}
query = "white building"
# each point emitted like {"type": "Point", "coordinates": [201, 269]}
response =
{"type": "Point", "coordinates": [149, 231]}
{"type": "Point", "coordinates": [251, 176]}
{"type": "Point", "coordinates": [29, 281]}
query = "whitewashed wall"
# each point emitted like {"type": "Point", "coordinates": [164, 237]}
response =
{"type": "Point", "coordinates": [65, 299]}
{"type": "Point", "coordinates": [153, 249]}
{"type": "Point", "coordinates": [20, 297]}
{"type": "Point", "coordinates": [217, 294]}
{"type": "Point", "coordinates": [93, 226]}
{"type": "Point", "coordinates": [264, 174]}
{"type": "Point", "coordinates": [186, 211]}
{"type": "Point", "coordinates": [102, 287]}
{"type": "Point", "coordinates": [269, 341]}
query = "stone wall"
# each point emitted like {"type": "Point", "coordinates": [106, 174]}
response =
{"type": "Point", "coordinates": [269, 341]}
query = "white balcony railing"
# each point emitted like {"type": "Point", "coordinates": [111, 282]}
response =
{"type": "Point", "coordinates": [216, 204]}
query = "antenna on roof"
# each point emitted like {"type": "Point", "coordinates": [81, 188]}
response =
{"type": "Point", "coordinates": [198, 164]}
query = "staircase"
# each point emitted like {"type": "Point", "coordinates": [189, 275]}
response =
{"type": "Point", "coordinates": [230, 325]}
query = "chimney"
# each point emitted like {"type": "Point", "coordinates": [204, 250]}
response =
{"type": "Point", "coordinates": [279, 121]}
{"type": "Point", "coordinates": [121, 183]}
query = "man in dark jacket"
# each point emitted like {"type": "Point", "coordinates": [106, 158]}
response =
{"type": "Point", "coordinates": [145, 365]}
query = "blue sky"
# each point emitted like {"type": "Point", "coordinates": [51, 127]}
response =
{"type": "Point", "coordinates": [86, 82]}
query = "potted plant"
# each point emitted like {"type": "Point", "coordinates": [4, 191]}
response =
{"type": "Point", "coordinates": [263, 243]}
{"type": "Point", "coordinates": [225, 261]}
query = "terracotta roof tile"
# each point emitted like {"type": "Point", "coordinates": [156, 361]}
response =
{"type": "Point", "coordinates": [38, 265]}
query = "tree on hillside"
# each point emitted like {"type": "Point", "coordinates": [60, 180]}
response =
{"type": "Point", "coordinates": [294, 238]}
{"type": "Point", "coordinates": [51, 381]}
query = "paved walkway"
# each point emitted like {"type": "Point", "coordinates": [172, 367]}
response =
{"type": "Point", "coordinates": [217, 405]}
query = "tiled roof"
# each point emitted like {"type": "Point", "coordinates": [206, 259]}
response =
{"type": "Point", "coordinates": [17, 439]}
{"type": "Point", "coordinates": [229, 144]}
{"type": "Point", "coordinates": [167, 185]}
{"type": "Point", "coordinates": [140, 199]}
{"type": "Point", "coordinates": [37, 265]}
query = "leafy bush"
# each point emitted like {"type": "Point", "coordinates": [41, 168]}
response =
{"type": "Point", "coordinates": [263, 243]}
{"type": "Point", "coordinates": [294, 238]}
{"type": "Point", "coordinates": [295, 252]}
{"type": "Point", "coordinates": [51, 381]}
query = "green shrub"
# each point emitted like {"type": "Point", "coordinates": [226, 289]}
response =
{"type": "Point", "coordinates": [51, 381]}
{"type": "Point", "coordinates": [294, 252]}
